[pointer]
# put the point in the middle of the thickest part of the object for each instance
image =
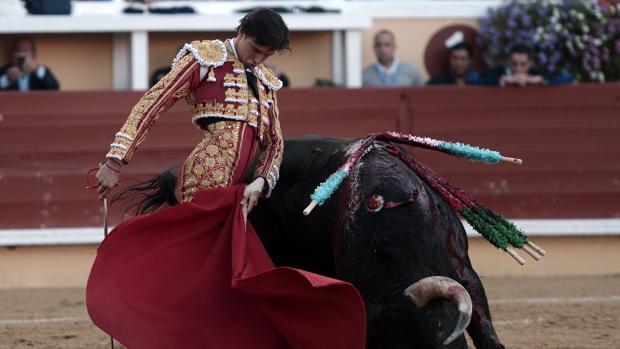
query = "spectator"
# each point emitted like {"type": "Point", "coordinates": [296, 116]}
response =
{"type": "Point", "coordinates": [389, 71]}
{"type": "Point", "coordinates": [24, 73]}
{"type": "Point", "coordinates": [520, 71]}
{"type": "Point", "coordinates": [461, 61]}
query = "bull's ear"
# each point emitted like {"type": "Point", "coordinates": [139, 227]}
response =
{"type": "Point", "coordinates": [374, 204]}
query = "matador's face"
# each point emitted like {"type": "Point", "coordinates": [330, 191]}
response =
{"type": "Point", "coordinates": [250, 53]}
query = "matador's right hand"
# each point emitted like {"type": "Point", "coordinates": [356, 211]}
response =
{"type": "Point", "coordinates": [107, 177]}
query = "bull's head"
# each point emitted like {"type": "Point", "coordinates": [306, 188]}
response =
{"type": "Point", "coordinates": [391, 244]}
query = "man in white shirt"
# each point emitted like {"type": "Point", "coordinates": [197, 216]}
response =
{"type": "Point", "coordinates": [389, 71]}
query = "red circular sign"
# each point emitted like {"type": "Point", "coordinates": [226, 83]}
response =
{"type": "Point", "coordinates": [436, 55]}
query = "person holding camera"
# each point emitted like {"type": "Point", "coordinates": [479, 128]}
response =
{"type": "Point", "coordinates": [24, 73]}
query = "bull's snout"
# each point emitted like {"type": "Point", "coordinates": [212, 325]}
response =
{"type": "Point", "coordinates": [432, 287]}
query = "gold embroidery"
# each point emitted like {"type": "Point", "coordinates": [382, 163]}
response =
{"type": "Point", "coordinates": [234, 79]}
{"type": "Point", "coordinates": [237, 65]}
{"type": "Point", "coordinates": [210, 50]}
{"type": "Point", "coordinates": [236, 95]}
{"type": "Point", "coordinates": [183, 91]}
{"type": "Point", "coordinates": [238, 104]}
{"type": "Point", "coordinates": [149, 108]}
{"type": "Point", "coordinates": [214, 108]}
{"type": "Point", "coordinates": [268, 77]}
{"type": "Point", "coordinates": [211, 75]}
{"type": "Point", "coordinates": [212, 162]}
{"type": "Point", "coordinates": [262, 113]}
{"type": "Point", "coordinates": [264, 109]}
{"type": "Point", "coordinates": [211, 150]}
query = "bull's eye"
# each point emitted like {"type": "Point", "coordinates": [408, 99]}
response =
{"type": "Point", "coordinates": [375, 204]}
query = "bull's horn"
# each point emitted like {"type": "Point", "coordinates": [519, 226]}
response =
{"type": "Point", "coordinates": [427, 289]}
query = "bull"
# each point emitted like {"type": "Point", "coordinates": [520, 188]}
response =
{"type": "Point", "coordinates": [406, 255]}
{"type": "Point", "coordinates": [408, 258]}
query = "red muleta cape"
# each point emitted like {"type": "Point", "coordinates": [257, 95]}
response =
{"type": "Point", "coordinates": [192, 276]}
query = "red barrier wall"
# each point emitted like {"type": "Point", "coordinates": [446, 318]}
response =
{"type": "Point", "coordinates": [568, 137]}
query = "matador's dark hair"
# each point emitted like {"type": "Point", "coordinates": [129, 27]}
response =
{"type": "Point", "coordinates": [266, 27]}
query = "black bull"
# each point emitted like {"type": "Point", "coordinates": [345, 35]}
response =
{"type": "Point", "coordinates": [408, 259]}
{"type": "Point", "coordinates": [381, 253]}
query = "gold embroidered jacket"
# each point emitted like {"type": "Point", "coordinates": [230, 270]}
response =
{"type": "Point", "coordinates": [214, 84]}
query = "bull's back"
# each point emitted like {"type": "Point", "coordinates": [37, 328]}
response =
{"type": "Point", "coordinates": [308, 158]}
{"type": "Point", "coordinates": [291, 238]}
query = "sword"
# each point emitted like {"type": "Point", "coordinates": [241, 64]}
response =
{"type": "Point", "coordinates": [105, 236]}
{"type": "Point", "coordinates": [91, 185]}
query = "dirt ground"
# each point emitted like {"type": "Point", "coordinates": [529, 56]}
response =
{"type": "Point", "coordinates": [549, 312]}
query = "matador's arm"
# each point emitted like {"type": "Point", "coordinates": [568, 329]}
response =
{"type": "Point", "coordinates": [272, 147]}
{"type": "Point", "coordinates": [181, 80]}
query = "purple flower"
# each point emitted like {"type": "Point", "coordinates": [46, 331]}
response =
{"type": "Point", "coordinates": [556, 46]}
{"type": "Point", "coordinates": [512, 23]}
{"type": "Point", "coordinates": [485, 24]}
{"type": "Point", "coordinates": [529, 42]}
{"type": "Point", "coordinates": [542, 58]}
{"type": "Point", "coordinates": [606, 55]}
{"type": "Point", "coordinates": [541, 11]}
{"type": "Point", "coordinates": [514, 11]}
{"type": "Point", "coordinates": [592, 44]}
{"type": "Point", "coordinates": [523, 34]}
{"type": "Point", "coordinates": [599, 30]}
{"type": "Point", "coordinates": [616, 24]}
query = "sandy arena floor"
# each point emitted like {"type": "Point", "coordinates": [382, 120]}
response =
{"type": "Point", "coordinates": [553, 312]}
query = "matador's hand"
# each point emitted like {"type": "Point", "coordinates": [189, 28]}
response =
{"type": "Point", "coordinates": [251, 194]}
{"type": "Point", "coordinates": [107, 176]}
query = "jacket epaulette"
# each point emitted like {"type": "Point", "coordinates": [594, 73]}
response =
{"type": "Point", "coordinates": [208, 53]}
